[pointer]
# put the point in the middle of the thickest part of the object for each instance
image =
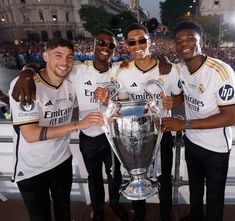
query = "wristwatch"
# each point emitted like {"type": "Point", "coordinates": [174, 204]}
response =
{"type": "Point", "coordinates": [188, 124]}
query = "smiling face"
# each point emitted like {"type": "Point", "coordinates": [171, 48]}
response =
{"type": "Point", "coordinates": [59, 61]}
{"type": "Point", "coordinates": [104, 46]}
{"type": "Point", "coordinates": [188, 44]}
{"type": "Point", "coordinates": [138, 44]}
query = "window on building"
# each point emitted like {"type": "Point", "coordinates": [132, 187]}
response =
{"type": "Point", "coordinates": [41, 17]}
{"type": "Point", "coordinates": [54, 17]}
{"type": "Point", "coordinates": [67, 16]}
{"type": "Point", "coordinates": [22, 1]}
{"type": "Point", "coordinates": [26, 17]}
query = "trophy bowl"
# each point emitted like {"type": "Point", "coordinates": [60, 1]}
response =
{"type": "Point", "coordinates": [132, 128]}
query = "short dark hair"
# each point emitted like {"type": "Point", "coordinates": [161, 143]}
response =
{"type": "Point", "coordinates": [105, 31]}
{"type": "Point", "coordinates": [135, 26]}
{"type": "Point", "coordinates": [189, 25]}
{"type": "Point", "coordinates": [59, 42]}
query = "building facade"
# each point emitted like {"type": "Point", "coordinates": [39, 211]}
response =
{"type": "Point", "coordinates": [225, 8]}
{"type": "Point", "coordinates": [40, 20]}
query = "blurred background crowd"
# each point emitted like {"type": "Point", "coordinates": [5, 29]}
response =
{"type": "Point", "coordinates": [12, 55]}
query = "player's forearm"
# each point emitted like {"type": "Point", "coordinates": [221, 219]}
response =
{"type": "Point", "coordinates": [216, 120]}
{"type": "Point", "coordinates": [46, 133]}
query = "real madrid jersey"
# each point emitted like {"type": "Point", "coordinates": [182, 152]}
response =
{"type": "Point", "coordinates": [86, 78]}
{"type": "Point", "coordinates": [205, 91]}
{"type": "Point", "coordinates": [53, 107]}
{"type": "Point", "coordinates": [133, 80]}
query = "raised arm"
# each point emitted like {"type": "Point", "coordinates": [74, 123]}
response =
{"type": "Point", "coordinates": [25, 89]}
{"type": "Point", "coordinates": [44, 133]}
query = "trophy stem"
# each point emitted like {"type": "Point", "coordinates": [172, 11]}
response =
{"type": "Point", "coordinates": [138, 187]}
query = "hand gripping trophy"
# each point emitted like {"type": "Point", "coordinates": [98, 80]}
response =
{"type": "Point", "coordinates": [133, 130]}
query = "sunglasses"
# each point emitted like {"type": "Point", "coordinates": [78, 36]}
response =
{"type": "Point", "coordinates": [102, 43]}
{"type": "Point", "coordinates": [141, 41]}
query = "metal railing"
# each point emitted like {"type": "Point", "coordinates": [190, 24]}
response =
{"type": "Point", "coordinates": [177, 181]}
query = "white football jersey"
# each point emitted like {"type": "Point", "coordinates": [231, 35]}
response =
{"type": "Point", "coordinates": [53, 107]}
{"type": "Point", "coordinates": [133, 80]}
{"type": "Point", "coordinates": [204, 91]}
{"type": "Point", "coordinates": [86, 78]}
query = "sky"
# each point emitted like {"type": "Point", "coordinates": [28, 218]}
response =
{"type": "Point", "coordinates": [152, 6]}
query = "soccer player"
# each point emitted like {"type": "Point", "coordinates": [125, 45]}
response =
{"type": "Point", "coordinates": [94, 146]}
{"type": "Point", "coordinates": [42, 157]}
{"type": "Point", "coordinates": [208, 87]}
{"type": "Point", "coordinates": [132, 79]}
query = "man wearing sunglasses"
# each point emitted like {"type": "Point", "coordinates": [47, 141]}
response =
{"type": "Point", "coordinates": [132, 79]}
{"type": "Point", "coordinates": [95, 148]}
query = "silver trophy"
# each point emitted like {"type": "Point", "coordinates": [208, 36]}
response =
{"type": "Point", "coordinates": [133, 130]}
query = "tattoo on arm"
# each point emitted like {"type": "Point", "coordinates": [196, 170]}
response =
{"type": "Point", "coordinates": [43, 134]}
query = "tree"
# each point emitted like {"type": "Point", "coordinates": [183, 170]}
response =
{"type": "Point", "coordinates": [152, 25]}
{"type": "Point", "coordinates": [95, 19]}
{"type": "Point", "coordinates": [173, 11]}
{"type": "Point", "coordinates": [211, 27]}
{"type": "Point", "coordinates": [121, 21]}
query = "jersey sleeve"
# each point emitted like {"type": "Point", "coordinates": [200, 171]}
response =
{"type": "Point", "coordinates": [23, 114]}
{"type": "Point", "coordinates": [225, 86]}
{"type": "Point", "coordinates": [176, 87]}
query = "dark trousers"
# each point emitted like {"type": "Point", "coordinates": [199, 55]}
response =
{"type": "Point", "coordinates": [212, 167]}
{"type": "Point", "coordinates": [95, 152]}
{"type": "Point", "coordinates": [36, 191]}
{"type": "Point", "coordinates": [165, 192]}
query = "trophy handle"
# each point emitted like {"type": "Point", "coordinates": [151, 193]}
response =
{"type": "Point", "coordinates": [163, 113]}
{"type": "Point", "coordinates": [110, 111]}
{"type": "Point", "coordinates": [113, 91]}
{"type": "Point", "coordinates": [155, 102]}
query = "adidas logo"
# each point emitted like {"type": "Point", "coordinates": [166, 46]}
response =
{"type": "Point", "coordinates": [20, 174]}
{"type": "Point", "coordinates": [88, 83]}
{"type": "Point", "coordinates": [48, 103]}
{"type": "Point", "coordinates": [134, 85]}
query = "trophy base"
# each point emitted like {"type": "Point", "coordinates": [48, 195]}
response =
{"type": "Point", "coordinates": [138, 189]}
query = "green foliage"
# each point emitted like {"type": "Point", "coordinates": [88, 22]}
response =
{"type": "Point", "coordinates": [211, 27]}
{"type": "Point", "coordinates": [120, 22]}
{"type": "Point", "coordinates": [173, 11]}
{"type": "Point", "coordinates": [95, 19]}
{"type": "Point", "coordinates": [152, 25]}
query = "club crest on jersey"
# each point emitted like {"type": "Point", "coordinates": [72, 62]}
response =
{"type": "Point", "coordinates": [161, 81]}
{"type": "Point", "coordinates": [201, 88]}
{"type": "Point", "coordinates": [70, 97]}
{"type": "Point", "coordinates": [27, 107]}
{"type": "Point", "coordinates": [226, 92]}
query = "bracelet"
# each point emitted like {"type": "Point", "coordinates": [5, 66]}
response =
{"type": "Point", "coordinates": [29, 68]}
{"type": "Point", "coordinates": [188, 124]}
{"type": "Point", "coordinates": [43, 134]}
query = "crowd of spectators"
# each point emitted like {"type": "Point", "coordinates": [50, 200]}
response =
{"type": "Point", "coordinates": [27, 52]}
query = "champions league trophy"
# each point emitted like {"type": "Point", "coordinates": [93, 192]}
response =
{"type": "Point", "coordinates": [133, 130]}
